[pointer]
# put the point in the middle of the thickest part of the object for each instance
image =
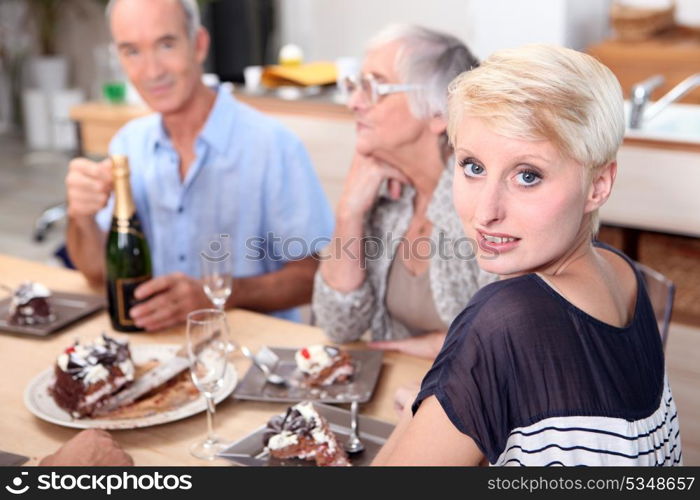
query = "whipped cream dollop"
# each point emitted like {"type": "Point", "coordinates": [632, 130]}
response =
{"type": "Point", "coordinates": [29, 290]}
{"type": "Point", "coordinates": [315, 358]}
{"type": "Point", "coordinates": [31, 312]}
{"type": "Point", "coordinates": [91, 362]}
{"type": "Point", "coordinates": [299, 420]}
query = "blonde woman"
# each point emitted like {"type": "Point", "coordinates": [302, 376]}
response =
{"type": "Point", "coordinates": [560, 362]}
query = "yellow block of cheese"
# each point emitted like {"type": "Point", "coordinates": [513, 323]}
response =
{"type": "Point", "coordinates": [305, 75]}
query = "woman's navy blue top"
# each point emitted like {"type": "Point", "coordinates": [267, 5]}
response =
{"type": "Point", "coordinates": [534, 380]}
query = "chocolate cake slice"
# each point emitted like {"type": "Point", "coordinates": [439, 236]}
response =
{"type": "Point", "coordinates": [323, 365]}
{"type": "Point", "coordinates": [86, 375]}
{"type": "Point", "coordinates": [30, 305]}
{"type": "Point", "coordinates": [303, 433]}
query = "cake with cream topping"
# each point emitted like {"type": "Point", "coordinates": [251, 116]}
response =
{"type": "Point", "coordinates": [303, 433]}
{"type": "Point", "coordinates": [86, 375]}
{"type": "Point", "coordinates": [324, 365]}
{"type": "Point", "coordinates": [30, 305]}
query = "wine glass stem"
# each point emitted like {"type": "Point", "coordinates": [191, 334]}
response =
{"type": "Point", "coordinates": [211, 410]}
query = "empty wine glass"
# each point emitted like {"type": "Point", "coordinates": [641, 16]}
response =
{"type": "Point", "coordinates": [217, 270]}
{"type": "Point", "coordinates": [217, 273]}
{"type": "Point", "coordinates": [208, 349]}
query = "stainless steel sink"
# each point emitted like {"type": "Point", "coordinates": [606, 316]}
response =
{"type": "Point", "coordinates": [677, 123]}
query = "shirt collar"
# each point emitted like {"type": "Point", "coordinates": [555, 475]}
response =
{"type": "Point", "coordinates": [217, 128]}
{"type": "Point", "coordinates": [159, 137]}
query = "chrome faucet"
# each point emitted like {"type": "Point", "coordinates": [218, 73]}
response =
{"type": "Point", "coordinates": [674, 94]}
{"type": "Point", "coordinates": [641, 93]}
{"type": "Point", "coordinates": [638, 113]}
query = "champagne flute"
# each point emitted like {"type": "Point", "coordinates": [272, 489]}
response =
{"type": "Point", "coordinates": [208, 349]}
{"type": "Point", "coordinates": [217, 271]}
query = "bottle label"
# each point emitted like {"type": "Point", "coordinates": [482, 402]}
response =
{"type": "Point", "coordinates": [124, 291]}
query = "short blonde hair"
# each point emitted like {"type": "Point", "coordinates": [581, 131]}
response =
{"type": "Point", "coordinates": [544, 92]}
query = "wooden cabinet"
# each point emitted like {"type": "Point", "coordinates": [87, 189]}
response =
{"type": "Point", "coordinates": [655, 190]}
{"type": "Point", "coordinates": [99, 121]}
{"type": "Point", "coordinates": [674, 54]}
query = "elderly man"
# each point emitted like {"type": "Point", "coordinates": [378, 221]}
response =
{"type": "Point", "coordinates": [203, 165]}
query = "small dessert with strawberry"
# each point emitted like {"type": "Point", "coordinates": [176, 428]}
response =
{"type": "Point", "coordinates": [303, 433]}
{"type": "Point", "coordinates": [86, 375]}
{"type": "Point", "coordinates": [31, 305]}
{"type": "Point", "coordinates": [324, 365]}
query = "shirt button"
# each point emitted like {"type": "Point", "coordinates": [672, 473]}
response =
{"type": "Point", "coordinates": [180, 209]}
{"type": "Point", "coordinates": [182, 258]}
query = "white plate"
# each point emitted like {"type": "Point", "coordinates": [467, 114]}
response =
{"type": "Point", "coordinates": [38, 400]}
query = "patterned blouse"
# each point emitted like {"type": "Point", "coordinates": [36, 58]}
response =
{"type": "Point", "coordinates": [454, 274]}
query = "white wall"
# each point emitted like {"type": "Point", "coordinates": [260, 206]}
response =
{"type": "Point", "coordinates": [500, 24]}
{"type": "Point", "coordinates": [509, 23]}
{"type": "Point", "coordinates": [589, 22]}
{"type": "Point", "coordinates": [326, 29]}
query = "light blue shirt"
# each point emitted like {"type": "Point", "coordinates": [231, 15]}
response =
{"type": "Point", "coordinates": [252, 180]}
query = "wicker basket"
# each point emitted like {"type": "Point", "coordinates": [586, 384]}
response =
{"type": "Point", "coordinates": [633, 24]}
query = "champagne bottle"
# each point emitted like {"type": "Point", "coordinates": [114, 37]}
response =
{"type": "Point", "coordinates": [128, 256]}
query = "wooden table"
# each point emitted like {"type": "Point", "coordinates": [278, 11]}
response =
{"type": "Point", "coordinates": [22, 358]}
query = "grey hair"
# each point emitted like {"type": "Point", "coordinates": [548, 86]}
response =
{"type": "Point", "coordinates": [189, 7]}
{"type": "Point", "coordinates": [428, 58]}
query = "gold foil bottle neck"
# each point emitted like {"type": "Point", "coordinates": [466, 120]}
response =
{"type": "Point", "coordinates": [123, 202]}
{"type": "Point", "coordinates": [120, 166]}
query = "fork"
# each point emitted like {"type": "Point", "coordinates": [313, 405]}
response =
{"type": "Point", "coordinates": [354, 443]}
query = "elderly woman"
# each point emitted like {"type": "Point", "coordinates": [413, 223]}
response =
{"type": "Point", "coordinates": [399, 263]}
{"type": "Point", "coordinates": [559, 362]}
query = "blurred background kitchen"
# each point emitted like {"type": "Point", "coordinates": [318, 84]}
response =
{"type": "Point", "coordinates": [62, 93]}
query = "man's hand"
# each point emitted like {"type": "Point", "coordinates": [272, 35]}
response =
{"type": "Point", "coordinates": [423, 346]}
{"type": "Point", "coordinates": [88, 187]}
{"type": "Point", "coordinates": [91, 447]}
{"type": "Point", "coordinates": [168, 300]}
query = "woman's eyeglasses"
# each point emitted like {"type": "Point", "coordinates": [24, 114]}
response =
{"type": "Point", "coordinates": [372, 89]}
